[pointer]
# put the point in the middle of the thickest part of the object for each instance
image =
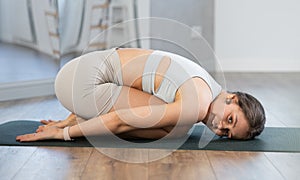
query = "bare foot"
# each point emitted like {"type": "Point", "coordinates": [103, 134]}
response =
{"type": "Point", "coordinates": [69, 121]}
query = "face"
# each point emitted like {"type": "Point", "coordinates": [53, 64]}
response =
{"type": "Point", "coordinates": [228, 119]}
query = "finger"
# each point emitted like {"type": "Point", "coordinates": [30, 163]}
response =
{"type": "Point", "coordinates": [49, 122]}
{"type": "Point", "coordinates": [40, 129]}
{"type": "Point", "coordinates": [43, 121]}
{"type": "Point", "coordinates": [28, 137]}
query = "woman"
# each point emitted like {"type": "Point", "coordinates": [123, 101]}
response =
{"type": "Point", "coordinates": [145, 94]}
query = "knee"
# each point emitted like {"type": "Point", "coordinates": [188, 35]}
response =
{"type": "Point", "coordinates": [64, 83]}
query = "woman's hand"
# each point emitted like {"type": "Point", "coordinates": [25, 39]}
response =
{"type": "Point", "coordinates": [51, 123]}
{"type": "Point", "coordinates": [69, 121]}
{"type": "Point", "coordinates": [52, 132]}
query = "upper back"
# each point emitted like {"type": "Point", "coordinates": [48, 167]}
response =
{"type": "Point", "coordinates": [140, 70]}
{"type": "Point", "coordinates": [179, 71]}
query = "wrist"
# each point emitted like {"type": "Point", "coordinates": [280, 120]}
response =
{"type": "Point", "coordinates": [66, 134]}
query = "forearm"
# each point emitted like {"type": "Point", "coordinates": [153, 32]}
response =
{"type": "Point", "coordinates": [124, 120]}
{"type": "Point", "coordinates": [117, 122]}
{"type": "Point", "coordinates": [106, 124]}
{"type": "Point", "coordinates": [150, 117]}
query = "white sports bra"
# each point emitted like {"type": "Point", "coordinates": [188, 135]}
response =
{"type": "Point", "coordinates": [180, 70]}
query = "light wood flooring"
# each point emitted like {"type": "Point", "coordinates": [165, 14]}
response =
{"type": "Point", "coordinates": [278, 93]}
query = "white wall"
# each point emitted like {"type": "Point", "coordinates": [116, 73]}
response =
{"type": "Point", "coordinates": [258, 35]}
{"type": "Point", "coordinates": [143, 7]}
{"type": "Point", "coordinates": [5, 25]}
{"type": "Point", "coordinates": [177, 36]}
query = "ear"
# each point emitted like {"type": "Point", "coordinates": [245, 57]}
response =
{"type": "Point", "coordinates": [233, 98]}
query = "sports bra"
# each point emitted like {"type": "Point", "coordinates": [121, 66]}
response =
{"type": "Point", "coordinates": [180, 70]}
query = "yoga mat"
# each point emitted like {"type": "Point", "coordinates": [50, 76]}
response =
{"type": "Point", "coordinates": [271, 140]}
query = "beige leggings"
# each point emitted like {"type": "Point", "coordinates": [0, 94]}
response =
{"type": "Point", "coordinates": [90, 84]}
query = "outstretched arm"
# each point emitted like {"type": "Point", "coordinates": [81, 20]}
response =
{"type": "Point", "coordinates": [120, 121]}
{"type": "Point", "coordinates": [125, 120]}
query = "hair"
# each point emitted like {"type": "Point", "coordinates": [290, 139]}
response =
{"type": "Point", "coordinates": [254, 113]}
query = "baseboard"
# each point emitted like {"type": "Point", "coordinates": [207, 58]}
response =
{"type": "Point", "coordinates": [258, 65]}
{"type": "Point", "coordinates": [26, 89]}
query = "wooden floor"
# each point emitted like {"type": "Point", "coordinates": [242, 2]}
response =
{"type": "Point", "coordinates": [278, 92]}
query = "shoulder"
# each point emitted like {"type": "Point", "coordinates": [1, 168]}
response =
{"type": "Point", "coordinates": [195, 95]}
{"type": "Point", "coordinates": [195, 85]}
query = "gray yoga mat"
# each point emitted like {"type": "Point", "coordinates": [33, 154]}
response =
{"type": "Point", "coordinates": [271, 140]}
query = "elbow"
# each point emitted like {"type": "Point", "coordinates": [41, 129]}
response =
{"type": "Point", "coordinates": [112, 123]}
{"type": "Point", "coordinates": [117, 126]}
{"type": "Point", "coordinates": [120, 128]}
